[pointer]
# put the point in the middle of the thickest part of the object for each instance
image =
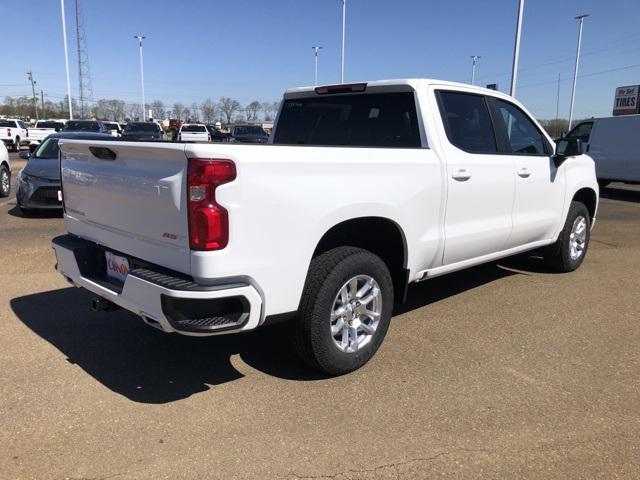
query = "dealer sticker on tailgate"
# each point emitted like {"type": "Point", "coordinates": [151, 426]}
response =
{"type": "Point", "coordinates": [117, 266]}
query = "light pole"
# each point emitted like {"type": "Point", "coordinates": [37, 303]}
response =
{"type": "Point", "coordinates": [474, 59]}
{"type": "Point", "coordinates": [140, 38]}
{"type": "Point", "coordinates": [580, 19]}
{"type": "Point", "coordinates": [344, 17]}
{"type": "Point", "coordinates": [516, 49]}
{"type": "Point", "coordinates": [33, 92]}
{"type": "Point", "coordinates": [315, 63]}
{"type": "Point", "coordinates": [66, 58]}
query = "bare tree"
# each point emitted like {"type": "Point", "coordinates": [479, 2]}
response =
{"type": "Point", "coordinates": [177, 110]}
{"type": "Point", "coordinates": [266, 111]}
{"type": "Point", "coordinates": [252, 111]}
{"type": "Point", "coordinates": [195, 112]}
{"type": "Point", "coordinates": [157, 108]}
{"type": "Point", "coordinates": [209, 110]}
{"type": "Point", "coordinates": [228, 106]}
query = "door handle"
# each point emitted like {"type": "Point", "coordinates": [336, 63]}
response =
{"type": "Point", "coordinates": [524, 172]}
{"type": "Point", "coordinates": [461, 175]}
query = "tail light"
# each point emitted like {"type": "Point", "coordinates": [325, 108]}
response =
{"type": "Point", "coordinates": [208, 221]}
{"type": "Point", "coordinates": [209, 138]}
{"type": "Point", "coordinates": [8, 132]}
{"type": "Point", "coordinates": [179, 137]}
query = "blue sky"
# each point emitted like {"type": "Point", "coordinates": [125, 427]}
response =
{"type": "Point", "coordinates": [250, 49]}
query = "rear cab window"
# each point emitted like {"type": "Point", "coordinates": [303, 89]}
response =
{"type": "Point", "coordinates": [193, 128]}
{"type": "Point", "coordinates": [386, 119]}
{"type": "Point", "coordinates": [7, 124]}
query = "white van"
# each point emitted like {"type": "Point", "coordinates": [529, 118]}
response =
{"type": "Point", "coordinates": [614, 145]}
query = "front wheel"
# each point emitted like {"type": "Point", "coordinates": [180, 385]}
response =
{"type": "Point", "coordinates": [568, 253]}
{"type": "Point", "coordinates": [344, 311]}
{"type": "Point", "coordinates": [5, 181]}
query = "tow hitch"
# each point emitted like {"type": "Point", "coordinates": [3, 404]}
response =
{"type": "Point", "coordinates": [99, 304]}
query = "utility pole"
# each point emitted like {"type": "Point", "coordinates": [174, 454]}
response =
{"type": "Point", "coordinates": [475, 59]}
{"type": "Point", "coordinates": [580, 19]}
{"type": "Point", "coordinates": [516, 49]}
{"type": "Point", "coordinates": [140, 39]}
{"type": "Point", "coordinates": [66, 58]}
{"type": "Point", "coordinates": [42, 101]}
{"type": "Point", "coordinates": [344, 18]}
{"type": "Point", "coordinates": [33, 92]}
{"type": "Point", "coordinates": [315, 63]}
{"type": "Point", "coordinates": [558, 105]}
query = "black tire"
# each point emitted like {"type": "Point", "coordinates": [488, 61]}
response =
{"type": "Point", "coordinates": [16, 144]}
{"type": "Point", "coordinates": [603, 183]}
{"type": "Point", "coordinates": [5, 181]}
{"type": "Point", "coordinates": [311, 330]}
{"type": "Point", "coordinates": [559, 255]}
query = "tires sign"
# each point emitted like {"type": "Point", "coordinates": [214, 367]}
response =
{"type": "Point", "coordinates": [626, 100]}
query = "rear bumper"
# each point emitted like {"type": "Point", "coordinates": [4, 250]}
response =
{"type": "Point", "coordinates": [170, 303]}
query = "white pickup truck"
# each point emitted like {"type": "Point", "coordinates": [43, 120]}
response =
{"type": "Point", "coordinates": [363, 189]}
{"type": "Point", "coordinates": [194, 132]}
{"type": "Point", "coordinates": [14, 133]}
{"type": "Point", "coordinates": [44, 128]}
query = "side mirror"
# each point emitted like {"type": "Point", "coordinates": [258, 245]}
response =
{"type": "Point", "coordinates": [567, 147]}
{"type": "Point", "coordinates": [24, 155]}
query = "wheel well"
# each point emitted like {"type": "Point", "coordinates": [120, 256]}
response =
{"type": "Point", "coordinates": [381, 236]}
{"type": "Point", "coordinates": [587, 196]}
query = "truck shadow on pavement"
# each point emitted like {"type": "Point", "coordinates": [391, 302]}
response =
{"type": "Point", "coordinates": [620, 194]}
{"type": "Point", "coordinates": [149, 366]}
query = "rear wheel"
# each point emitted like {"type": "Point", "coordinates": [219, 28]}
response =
{"type": "Point", "coordinates": [344, 311]}
{"type": "Point", "coordinates": [568, 253]}
{"type": "Point", "coordinates": [5, 181]}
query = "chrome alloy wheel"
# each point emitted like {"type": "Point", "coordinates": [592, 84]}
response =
{"type": "Point", "coordinates": [356, 312]}
{"type": "Point", "coordinates": [4, 182]}
{"type": "Point", "coordinates": [578, 238]}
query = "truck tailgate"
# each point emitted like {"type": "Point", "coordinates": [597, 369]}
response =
{"type": "Point", "coordinates": [133, 203]}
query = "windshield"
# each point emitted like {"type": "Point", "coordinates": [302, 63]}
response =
{"type": "Point", "coordinates": [194, 128]}
{"type": "Point", "coordinates": [141, 127]}
{"type": "Point", "coordinates": [47, 149]}
{"type": "Point", "coordinates": [49, 125]}
{"type": "Point", "coordinates": [249, 130]}
{"type": "Point", "coordinates": [111, 126]}
{"type": "Point", "coordinates": [81, 126]}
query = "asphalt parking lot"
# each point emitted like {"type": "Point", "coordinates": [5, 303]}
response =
{"type": "Point", "coordinates": [503, 371]}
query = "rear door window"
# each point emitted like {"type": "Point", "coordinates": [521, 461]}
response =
{"type": "Point", "coordinates": [467, 121]}
{"type": "Point", "coordinates": [356, 120]}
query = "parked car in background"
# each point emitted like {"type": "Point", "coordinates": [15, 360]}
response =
{"type": "Point", "coordinates": [248, 134]}
{"type": "Point", "coordinates": [114, 128]}
{"type": "Point", "coordinates": [193, 132]}
{"type": "Point", "coordinates": [142, 131]}
{"type": "Point", "coordinates": [5, 171]}
{"type": "Point", "coordinates": [614, 145]}
{"type": "Point", "coordinates": [94, 126]}
{"type": "Point", "coordinates": [39, 180]}
{"type": "Point", "coordinates": [44, 128]}
{"type": "Point", "coordinates": [365, 189]}
{"type": "Point", "coordinates": [217, 135]}
{"type": "Point", "coordinates": [14, 133]}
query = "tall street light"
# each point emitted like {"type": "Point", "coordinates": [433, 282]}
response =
{"type": "Point", "coordinates": [66, 58]}
{"type": "Point", "coordinates": [474, 59]}
{"type": "Point", "coordinates": [315, 63]}
{"type": "Point", "coordinates": [516, 49]}
{"type": "Point", "coordinates": [140, 39]}
{"type": "Point", "coordinates": [580, 19]}
{"type": "Point", "coordinates": [344, 17]}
